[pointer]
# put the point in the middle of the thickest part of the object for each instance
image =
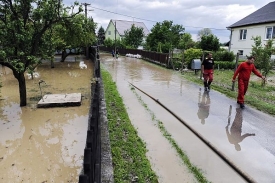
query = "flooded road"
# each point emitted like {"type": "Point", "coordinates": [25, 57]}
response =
{"type": "Point", "coordinates": [44, 144]}
{"type": "Point", "coordinates": [245, 137]}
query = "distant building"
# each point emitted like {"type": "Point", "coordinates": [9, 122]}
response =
{"type": "Point", "coordinates": [260, 23]}
{"type": "Point", "coordinates": [121, 26]}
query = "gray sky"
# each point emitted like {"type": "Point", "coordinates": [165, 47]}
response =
{"type": "Point", "coordinates": [194, 15]}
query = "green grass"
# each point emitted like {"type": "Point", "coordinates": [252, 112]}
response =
{"type": "Point", "coordinates": [258, 96]}
{"type": "Point", "coordinates": [128, 150]}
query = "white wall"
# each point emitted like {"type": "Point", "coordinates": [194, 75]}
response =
{"type": "Point", "coordinates": [246, 45]}
{"type": "Point", "coordinates": [112, 36]}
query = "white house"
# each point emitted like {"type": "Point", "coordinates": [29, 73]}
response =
{"type": "Point", "coordinates": [121, 26]}
{"type": "Point", "coordinates": [260, 23]}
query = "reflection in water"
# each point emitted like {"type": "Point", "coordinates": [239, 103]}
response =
{"type": "Point", "coordinates": [204, 106]}
{"type": "Point", "coordinates": [235, 136]}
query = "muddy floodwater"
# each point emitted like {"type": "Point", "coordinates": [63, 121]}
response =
{"type": "Point", "coordinates": [44, 144]}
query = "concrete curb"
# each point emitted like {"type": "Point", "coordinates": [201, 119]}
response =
{"type": "Point", "coordinates": [107, 172]}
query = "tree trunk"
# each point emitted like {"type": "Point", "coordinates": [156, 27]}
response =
{"type": "Point", "coordinates": [64, 55]}
{"type": "Point", "coordinates": [52, 62]}
{"type": "Point", "coordinates": [22, 89]}
{"type": "Point", "coordinates": [22, 83]}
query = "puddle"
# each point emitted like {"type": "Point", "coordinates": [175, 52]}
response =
{"type": "Point", "coordinates": [44, 144]}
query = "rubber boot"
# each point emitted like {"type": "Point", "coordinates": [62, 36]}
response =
{"type": "Point", "coordinates": [205, 86]}
{"type": "Point", "coordinates": [209, 83]}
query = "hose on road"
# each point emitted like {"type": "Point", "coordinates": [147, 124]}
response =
{"type": "Point", "coordinates": [220, 154]}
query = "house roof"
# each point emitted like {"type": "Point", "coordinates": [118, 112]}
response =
{"type": "Point", "coordinates": [265, 14]}
{"type": "Point", "coordinates": [123, 25]}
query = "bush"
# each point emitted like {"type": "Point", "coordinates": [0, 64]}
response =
{"type": "Point", "coordinates": [224, 65]}
{"type": "Point", "coordinates": [177, 62]}
{"type": "Point", "coordinates": [108, 42]}
{"type": "Point", "coordinates": [111, 43]}
{"type": "Point", "coordinates": [223, 56]}
{"type": "Point", "coordinates": [191, 54]}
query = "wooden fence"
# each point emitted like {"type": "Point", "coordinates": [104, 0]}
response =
{"type": "Point", "coordinates": [155, 57]}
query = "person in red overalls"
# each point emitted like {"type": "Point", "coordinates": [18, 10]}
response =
{"type": "Point", "coordinates": [207, 68]}
{"type": "Point", "coordinates": [244, 70]}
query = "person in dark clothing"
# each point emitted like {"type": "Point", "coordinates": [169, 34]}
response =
{"type": "Point", "coordinates": [207, 69]}
{"type": "Point", "coordinates": [243, 71]}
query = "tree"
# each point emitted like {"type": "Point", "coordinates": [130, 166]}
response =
{"type": "Point", "coordinates": [186, 41]}
{"type": "Point", "coordinates": [164, 36]}
{"type": "Point", "coordinates": [263, 54]}
{"type": "Point", "coordinates": [204, 32]}
{"type": "Point", "coordinates": [209, 43]}
{"type": "Point", "coordinates": [109, 42]}
{"type": "Point", "coordinates": [133, 37]}
{"type": "Point", "coordinates": [74, 33]}
{"type": "Point", "coordinates": [25, 26]}
{"type": "Point", "coordinates": [101, 35]}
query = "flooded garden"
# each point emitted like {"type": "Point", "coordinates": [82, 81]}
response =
{"type": "Point", "coordinates": [44, 144]}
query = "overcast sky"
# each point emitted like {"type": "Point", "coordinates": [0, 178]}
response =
{"type": "Point", "coordinates": [193, 15]}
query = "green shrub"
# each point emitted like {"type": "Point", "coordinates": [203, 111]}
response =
{"type": "Point", "coordinates": [191, 54]}
{"type": "Point", "coordinates": [224, 65]}
{"type": "Point", "coordinates": [223, 56]}
{"type": "Point", "coordinates": [111, 43]}
{"type": "Point", "coordinates": [177, 62]}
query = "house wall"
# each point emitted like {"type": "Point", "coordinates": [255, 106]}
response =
{"type": "Point", "coordinates": [246, 45]}
{"type": "Point", "coordinates": [111, 28]}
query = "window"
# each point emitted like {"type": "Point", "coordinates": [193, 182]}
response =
{"type": "Point", "coordinates": [243, 33]}
{"type": "Point", "coordinates": [270, 32]}
{"type": "Point", "coordinates": [240, 52]}
{"type": "Point", "coordinates": [109, 32]}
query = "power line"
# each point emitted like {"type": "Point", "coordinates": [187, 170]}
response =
{"type": "Point", "coordinates": [154, 20]}
{"type": "Point", "coordinates": [124, 15]}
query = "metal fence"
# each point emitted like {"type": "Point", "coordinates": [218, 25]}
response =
{"type": "Point", "coordinates": [91, 172]}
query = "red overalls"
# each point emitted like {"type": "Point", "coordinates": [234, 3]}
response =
{"type": "Point", "coordinates": [244, 70]}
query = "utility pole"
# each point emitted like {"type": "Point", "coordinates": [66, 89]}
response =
{"type": "Point", "coordinates": [87, 47]}
{"type": "Point", "coordinates": [115, 39]}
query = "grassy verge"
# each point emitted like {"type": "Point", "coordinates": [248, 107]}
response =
{"type": "Point", "coordinates": [192, 168]}
{"type": "Point", "coordinates": [128, 150]}
{"type": "Point", "coordinates": [262, 98]}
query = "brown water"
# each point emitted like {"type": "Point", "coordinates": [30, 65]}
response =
{"type": "Point", "coordinates": [44, 144]}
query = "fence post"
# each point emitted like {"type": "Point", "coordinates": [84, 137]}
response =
{"type": "Point", "coordinates": [236, 65]}
{"type": "Point", "coordinates": [182, 62]}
